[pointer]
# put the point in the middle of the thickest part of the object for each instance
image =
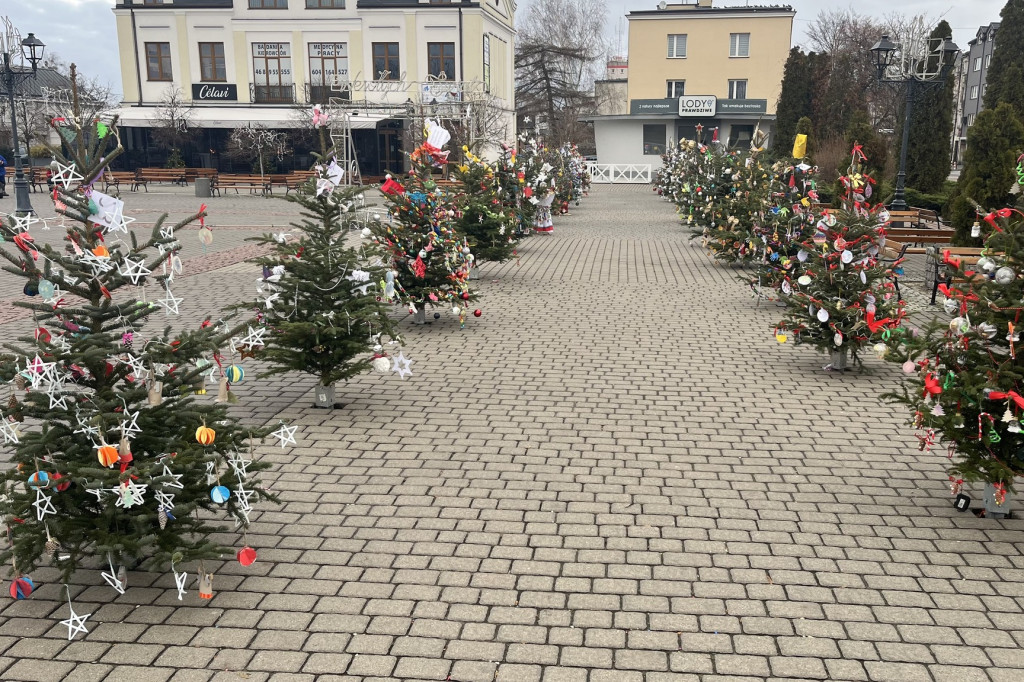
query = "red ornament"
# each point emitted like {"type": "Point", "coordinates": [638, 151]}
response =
{"type": "Point", "coordinates": [22, 587]}
{"type": "Point", "coordinates": [477, 313]}
{"type": "Point", "coordinates": [246, 556]}
{"type": "Point", "coordinates": [61, 487]}
{"type": "Point", "coordinates": [465, 295]}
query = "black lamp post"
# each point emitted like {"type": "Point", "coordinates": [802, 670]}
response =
{"type": "Point", "coordinates": [918, 74]}
{"type": "Point", "coordinates": [32, 49]}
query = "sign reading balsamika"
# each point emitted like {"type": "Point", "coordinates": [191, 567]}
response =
{"type": "Point", "coordinates": [214, 92]}
{"type": "Point", "coordinates": [698, 105]}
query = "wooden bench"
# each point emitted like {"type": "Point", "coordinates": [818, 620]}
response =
{"type": "Point", "coordinates": [37, 177]}
{"type": "Point", "coordinates": [909, 218]}
{"type": "Point", "coordinates": [926, 217]}
{"type": "Point", "coordinates": [238, 181]}
{"type": "Point", "coordinates": [192, 173]}
{"type": "Point", "coordinates": [967, 255]}
{"type": "Point", "coordinates": [297, 179]}
{"type": "Point", "coordinates": [114, 179]}
{"type": "Point", "coordinates": [172, 175]}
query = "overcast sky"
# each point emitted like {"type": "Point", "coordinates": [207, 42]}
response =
{"type": "Point", "coordinates": [82, 31]}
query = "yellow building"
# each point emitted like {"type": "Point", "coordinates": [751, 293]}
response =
{"type": "Point", "coordinates": [268, 61]}
{"type": "Point", "coordinates": [690, 64]}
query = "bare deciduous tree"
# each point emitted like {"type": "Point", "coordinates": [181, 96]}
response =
{"type": "Point", "coordinates": [557, 53]}
{"type": "Point", "coordinates": [256, 143]}
{"type": "Point", "coordinates": [174, 123]}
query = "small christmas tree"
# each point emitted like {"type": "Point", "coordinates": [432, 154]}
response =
{"type": "Point", "coordinates": [115, 459]}
{"type": "Point", "coordinates": [429, 260]}
{"type": "Point", "coordinates": [789, 221]}
{"type": "Point", "coordinates": [317, 293]}
{"type": "Point", "coordinates": [966, 374]}
{"type": "Point", "coordinates": [844, 299]}
{"type": "Point", "coordinates": [486, 222]}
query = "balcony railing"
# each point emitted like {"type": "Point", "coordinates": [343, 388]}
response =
{"type": "Point", "coordinates": [272, 94]}
{"type": "Point", "coordinates": [322, 94]}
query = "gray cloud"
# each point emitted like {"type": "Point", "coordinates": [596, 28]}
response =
{"type": "Point", "coordinates": [80, 31]}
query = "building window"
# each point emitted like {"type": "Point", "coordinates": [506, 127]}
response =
{"type": "Point", "coordinates": [328, 64]}
{"type": "Point", "coordinates": [268, 4]}
{"type": "Point", "coordinates": [739, 44]}
{"type": "Point", "coordinates": [974, 92]}
{"type": "Point", "coordinates": [677, 46]}
{"type": "Point", "coordinates": [211, 62]}
{"type": "Point", "coordinates": [983, 86]}
{"type": "Point", "coordinates": [158, 61]}
{"type": "Point", "coordinates": [325, 4]}
{"type": "Point", "coordinates": [385, 61]}
{"type": "Point", "coordinates": [272, 73]}
{"type": "Point", "coordinates": [970, 120]}
{"type": "Point", "coordinates": [675, 89]}
{"type": "Point", "coordinates": [977, 63]}
{"type": "Point", "coordinates": [740, 135]}
{"type": "Point", "coordinates": [487, 63]}
{"type": "Point", "coordinates": [441, 60]}
{"type": "Point", "coordinates": [654, 139]}
{"type": "Point", "coordinates": [738, 89]}
{"type": "Point", "coordinates": [988, 60]}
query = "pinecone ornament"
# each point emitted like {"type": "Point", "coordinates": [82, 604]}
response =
{"type": "Point", "coordinates": [127, 339]}
{"type": "Point", "coordinates": [52, 546]}
{"type": "Point", "coordinates": [161, 517]}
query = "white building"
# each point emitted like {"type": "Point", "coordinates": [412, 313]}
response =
{"type": "Point", "coordinates": [267, 61]}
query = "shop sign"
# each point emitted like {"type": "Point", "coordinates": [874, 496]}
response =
{"type": "Point", "coordinates": [698, 105]}
{"type": "Point", "coordinates": [214, 92]}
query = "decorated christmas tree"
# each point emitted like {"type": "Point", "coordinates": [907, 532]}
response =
{"type": "Point", "coordinates": [114, 460]}
{"type": "Point", "coordinates": [844, 299]}
{"type": "Point", "coordinates": [318, 294]}
{"type": "Point", "coordinates": [789, 221]}
{"type": "Point", "coordinates": [428, 259]}
{"type": "Point", "coordinates": [487, 223]}
{"type": "Point", "coordinates": [965, 377]}
{"type": "Point", "coordinates": [510, 178]}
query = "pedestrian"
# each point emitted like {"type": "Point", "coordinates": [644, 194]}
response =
{"type": "Point", "coordinates": [3, 177]}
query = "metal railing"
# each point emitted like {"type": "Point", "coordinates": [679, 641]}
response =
{"type": "Point", "coordinates": [624, 173]}
{"type": "Point", "coordinates": [272, 94]}
{"type": "Point", "coordinates": [322, 94]}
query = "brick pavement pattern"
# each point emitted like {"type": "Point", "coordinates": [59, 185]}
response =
{"type": "Point", "coordinates": [615, 474]}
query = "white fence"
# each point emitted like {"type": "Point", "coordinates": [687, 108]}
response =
{"type": "Point", "coordinates": [620, 172]}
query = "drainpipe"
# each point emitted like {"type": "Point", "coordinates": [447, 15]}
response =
{"type": "Point", "coordinates": [135, 44]}
{"type": "Point", "coordinates": [462, 72]}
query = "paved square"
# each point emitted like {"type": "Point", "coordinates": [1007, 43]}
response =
{"type": "Point", "coordinates": [614, 474]}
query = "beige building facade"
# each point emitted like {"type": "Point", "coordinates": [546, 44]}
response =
{"type": "Point", "coordinates": [696, 64]}
{"type": "Point", "coordinates": [241, 61]}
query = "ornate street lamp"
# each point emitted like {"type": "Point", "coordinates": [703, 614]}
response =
{"type": "Point", "coordinates": [918, 64]}
{"type": "Point", "coordinates": [30, 49]}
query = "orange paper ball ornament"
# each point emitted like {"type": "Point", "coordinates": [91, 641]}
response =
{"type": "Point", "coordinates": [107, 455]}
{"type": "Point", "coordinates": [205, 435]}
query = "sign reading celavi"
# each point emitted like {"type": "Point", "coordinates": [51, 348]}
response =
{"type": "Point", "coordinates": [698, 105]}
{"type": "Point", "coordinates": [219, 92]}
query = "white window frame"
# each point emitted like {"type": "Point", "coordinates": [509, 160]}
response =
{"type": "Point", "coordinates": [733, 88]}
{"type": "Point", "coordinates": [988, 60]}
{"type": "Point", "coordinates": [974, 92]}
{"type": "Point", "coordinates": [977, 63]}
{"type": "Point", "coordinates": [671, 89]}
{"type": "Point", "coordinates": [673, 45]}
{"type": "Point", "coordinates": [970, 120]}
{"type": "Point", "coordinates": [736, 45]}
